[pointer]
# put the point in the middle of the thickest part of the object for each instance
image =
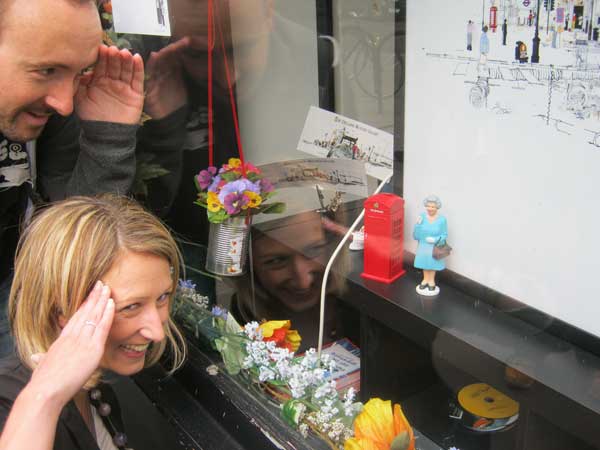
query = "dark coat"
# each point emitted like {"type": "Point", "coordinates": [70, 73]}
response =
{"type": "Point", "coordinates": [71, 430]}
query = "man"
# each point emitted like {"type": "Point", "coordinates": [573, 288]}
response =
{"type": "Point", "coordinates": [47, 49]}
{"type": "Point", "coordinates": [504, 32]}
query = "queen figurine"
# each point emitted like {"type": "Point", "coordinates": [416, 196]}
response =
{"type": "Point", "coordinates": [430, 230]}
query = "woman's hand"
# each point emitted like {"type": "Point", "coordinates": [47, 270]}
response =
{"type": "Point", "coordinates": [76, 354]}
{"type": "Point", "coordinates": [59, 374]}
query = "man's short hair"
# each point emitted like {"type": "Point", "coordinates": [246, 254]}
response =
{"type": "Point", "coordinates": [6, 4]}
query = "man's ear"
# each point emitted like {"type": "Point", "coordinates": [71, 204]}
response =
{"type": "Point", "coordinates": [62, 321]}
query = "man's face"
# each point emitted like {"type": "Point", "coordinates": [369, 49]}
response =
{"type": "Point", "coordinates": [44, 47]}
{"type": "Point", "coordinates": [245, 25]}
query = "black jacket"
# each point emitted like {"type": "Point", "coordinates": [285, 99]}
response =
{"type": "Point", "coordinates": [71, 430]}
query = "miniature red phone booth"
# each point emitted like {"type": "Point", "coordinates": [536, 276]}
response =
{"type": "Point", "coordinates": [384, 237]}
{"type": "Point", "coordinates": [493, 18]}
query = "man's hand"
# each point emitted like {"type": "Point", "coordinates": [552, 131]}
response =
{"type": "Point", "coordinates": [114, 92]}
{"type": "Point", "coordinates": [165, 86]}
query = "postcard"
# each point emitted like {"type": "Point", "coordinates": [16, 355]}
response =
{"type": "Point", "coordinates": [141, 17]}
{"type": "Point", "coordinates": [330, 135]}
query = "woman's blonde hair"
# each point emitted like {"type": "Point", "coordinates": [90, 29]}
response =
{"type": "Point", "coordinates": [69, 246]}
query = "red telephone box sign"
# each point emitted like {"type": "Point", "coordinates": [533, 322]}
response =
{"type": "Point", "coordinates": [493, 18]}
{"type": "Point", "coordinates": [384, 238]}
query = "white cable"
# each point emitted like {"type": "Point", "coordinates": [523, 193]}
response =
{"type": "Point", "coordinates": [330, 263]}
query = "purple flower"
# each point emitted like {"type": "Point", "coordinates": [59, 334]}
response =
{"type": "Point", "coordinates": [219, 312]}
{"type": "Point", "coordinates": [237, 187]}
{"type": "Point", "coordinates": [187, 284]}
{"type": "Point", "coordinates": [205, 177]}
{"type": "Point", "coordinates": [215, 184]}
{"type": "Point", "coordinates": [266, 185]}
{"type": "Point", "coordinates": [234, 202]}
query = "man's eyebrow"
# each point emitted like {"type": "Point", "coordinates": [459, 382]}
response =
{"type": "Point", "coordinates": [54, 64]}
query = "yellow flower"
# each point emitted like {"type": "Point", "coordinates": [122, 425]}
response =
{"type": "Point", "coordinates": [279, 332]}
{"type": "Point", "coordinates": [234, 163]}
{"type": "Point", "coordinates": [212, 202]}
{"type": "Point", "coordinates": [379, 427]}
{"type": "Point", "coordinates": [254, 199]}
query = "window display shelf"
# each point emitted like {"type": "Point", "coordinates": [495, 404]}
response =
{"type": "Point", "coordinates": [211, 412]}
{"type": "Point", "coordinates": [418, 345]}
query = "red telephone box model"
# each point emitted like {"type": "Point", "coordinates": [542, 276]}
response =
{"type": "Point", "coordinates": [493, 18]}
{"type": "Point", "coordinates": [384, 237]}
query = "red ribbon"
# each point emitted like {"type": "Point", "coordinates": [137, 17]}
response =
{"type": "Point", "coordinates": [211, 44]}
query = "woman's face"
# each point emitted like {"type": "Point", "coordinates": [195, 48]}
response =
{"type": "Point", "coordinates": [431, 208]}
{"type": "Point", "coordinates": [141, 287]}
{"type": "Point", "coordinates": [289, 263]}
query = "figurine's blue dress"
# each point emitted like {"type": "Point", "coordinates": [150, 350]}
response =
{"type": "Point", "coordinates": [438, 229]}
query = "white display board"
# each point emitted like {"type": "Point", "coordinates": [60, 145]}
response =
{"type": "Point", "coordinates": [511, 149]}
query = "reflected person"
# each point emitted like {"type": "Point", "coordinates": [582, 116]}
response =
{"type": "Point", "coordinates": [289, 261]}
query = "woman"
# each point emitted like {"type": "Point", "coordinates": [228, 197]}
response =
{"type": "Point", "coordinates": [289, 258]}
{"type": "Point", "coordinates": [431, 229]}
{"type": "Point", "coordinates": [93, 283]}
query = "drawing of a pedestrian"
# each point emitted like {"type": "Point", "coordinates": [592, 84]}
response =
{"type": "Point", "coordinates": [470, 29]}
{"type": "Point", "coordinates": [530, 18]}
{"type": "Point", "coordinates": [504, 32]}
{"type": "Point", "coordinates": [484, 43]}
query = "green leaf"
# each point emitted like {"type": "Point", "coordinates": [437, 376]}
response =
{"type": "Point", "coordinates": [274, 208]}
{"type": "Point", "coordinates": [253, 176]}
{"type": "Point", "coordinates": [292, 412]}
{"type": "Point", "coordinates": [233, 351]}
{"type": "Point", "coordinates": [218, 217]}
{"type": "Point", "coordinates": [229, 176]}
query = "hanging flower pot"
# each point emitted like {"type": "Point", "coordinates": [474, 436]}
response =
{"type": "Point", "coordinates": [228, 246]}
{"type": "Point", "coordinates": [232, 196]}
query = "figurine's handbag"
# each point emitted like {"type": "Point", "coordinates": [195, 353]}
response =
{"type": "Point", "coordinates": [441, 251]}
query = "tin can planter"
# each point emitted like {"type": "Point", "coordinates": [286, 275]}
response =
{"type": "Point", "coordinates": [228, 246]}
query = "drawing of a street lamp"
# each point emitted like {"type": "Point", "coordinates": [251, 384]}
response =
{"type": "Point", "coordinates": [535, 54]}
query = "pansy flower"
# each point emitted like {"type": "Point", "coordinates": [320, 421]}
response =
{"type": "Point", "coordinates": [266, 185]}
{"type": "Point", "coordinates": [235, 202]}
{"type": "Point", "coordinates": [205, 177]}
{"type": "Point", "coordinates": [237, 187]}
{"type": "Point", "coordinates": [214, 186]}
{"type": "Point", "coordinates": [254, 199]}
{"type": "Point", "coordinates": [212, 202]}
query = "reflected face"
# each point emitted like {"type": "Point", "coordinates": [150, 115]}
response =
{"type": "Point", "coordinates": [44, 46]}
{"type": "Point", "coordinates": [431, 208]}
{"type": "Point", "coordinates": [289, 263]}
{"type": "Point", "coordinates": [249, 22]}
{"type": "Point", "coordinates": [141, 287]}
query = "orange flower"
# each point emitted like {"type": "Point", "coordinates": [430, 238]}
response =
{"type": "Point", "coordinates": [379, 427]}
{"type": "Point", "coordinates": [279, 332]}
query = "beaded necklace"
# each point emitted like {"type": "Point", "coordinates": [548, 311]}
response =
{"type": "Point", "coordinates": [119, 438]}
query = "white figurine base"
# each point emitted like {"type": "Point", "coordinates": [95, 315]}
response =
{"type": "Point", "coordinates": [426, 291]}
{"type": "Point", "coordinates": [358, 241]}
